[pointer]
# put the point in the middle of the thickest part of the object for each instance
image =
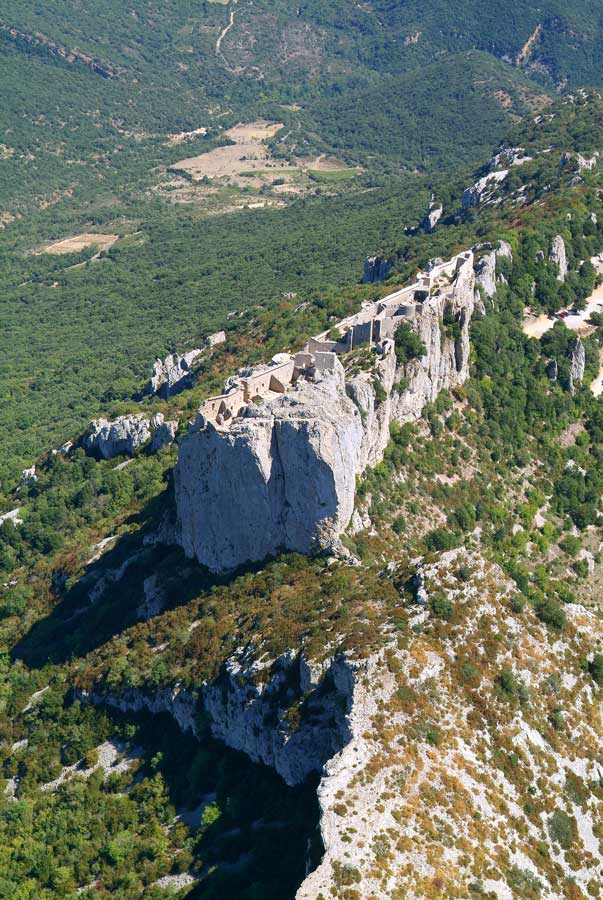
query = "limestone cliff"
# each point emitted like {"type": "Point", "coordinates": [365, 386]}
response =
{"type": "Point", "coordinates": [125, 435]}
{"type": "Point", "coordinates": [249, 705]}
{"type": "Point", "coordinates": [558, 256]}
{"type": "Point", "coordinates": [172, 374]}
{"type": "Point", "coordinates": [416, 782]}
{"type": "Point", "coordinates": [282, 474]}
{"type": "Point", "coordinates": [376, 268]}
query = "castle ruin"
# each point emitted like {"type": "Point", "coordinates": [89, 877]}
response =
{"type": "Point", "coordinates": [376, 322]}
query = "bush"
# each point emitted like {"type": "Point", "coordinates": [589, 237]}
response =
{"type": "Point", "coordinates": [596, 668]}
{"type": "Point", "coordinates": [570, 544]}
{"type": "Point", "coordinates": [441, 607]}
{"type": "Point", "coordinates": [562, 829]}
{"type": "Point", "coordinates": [508, 682]}
{"type": "Point", "coordinates": [441, 539]}
{"type": "Point", "coordinates": [399, 525]}
{"type": "Point", "coordinates": [408, 344]}
{"type": "Point", "coordinates": [550, 612]}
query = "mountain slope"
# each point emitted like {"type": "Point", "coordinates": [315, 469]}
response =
{"type": "Point", "coordinates": [441, 676]}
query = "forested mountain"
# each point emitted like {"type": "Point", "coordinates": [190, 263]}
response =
{"type": "Point", "coordinates": [119, 80]}
{"type": "Point", "coordinates": [400, 697]}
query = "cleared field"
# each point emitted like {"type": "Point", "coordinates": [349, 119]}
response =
{"type": "Point", "coordinates": [247, 154]}
{"type": "Point", "coordinates": [254, 131]}
{"type": "Point", "coordinates": [81, 242]}
{"type": "Point", "coordinates": [250, 158]}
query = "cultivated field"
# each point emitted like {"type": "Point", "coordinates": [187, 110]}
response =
{"type": "Point", "coordinates": [81, 242]}
{"type": "Point", "coordinates": [248, 163]}
{"type": "Point", "coordinates": [247, 154]}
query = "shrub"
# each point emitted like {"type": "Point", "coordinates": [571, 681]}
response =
{"type": "Point", "coordinates": [596, 668]}
{"type": "Point", "coordinates": [570, 544]}
{"type": "Point", "coordinates": [441, 539]}
{"type": "Point", "coordinates": [408, 344]}
{"type": "Point", "coordinates": [380, 392]}
{"type": "Point", "coordinates": [441, 607]}
{"type": "Point", "coordinates": [550, 612]}
{"type": "Point", "coordinates": [399, 525]}
{"type": "Point", "coordinates": [562, 829]}
{"type": "Point", "coordinates": [508, 682]}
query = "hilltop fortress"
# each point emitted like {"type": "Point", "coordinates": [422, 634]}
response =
{"type": "Point", "coordinates": [271, 464]}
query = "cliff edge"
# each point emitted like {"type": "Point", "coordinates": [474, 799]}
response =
{"type": "Point", "coordinates": [272, 463]}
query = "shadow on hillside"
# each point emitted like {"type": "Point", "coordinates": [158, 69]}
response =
{"type": "Point", "coordinates": [253, 835]}
{"type": "Point", "coordinates": [110, 596]}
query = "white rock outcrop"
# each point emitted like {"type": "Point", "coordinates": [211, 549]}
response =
{"type": "Point", "coordinates": [558, 255]}
{"type": "Point", "coordinates": [28, 478]}
{"type": "Point", "coordinates": [214, 340]}
{"type": "Point", "coordinates": [485, 268]}
{"type": "Point", "coordinates": [577, 363]}
{"type": "Point", "coordinates": [483, 191]}
{"type": "Point", "coordinates": [247, 706]}
{"type": "Point", "coordinates": [281, 475]}
{"type": "Point", "coordinates": [122, 436]}
{"type": "Point", "coordinates": [11, 516]}
{"type": "Point", "coordinates": [125, 435]}
{"type": "Point", "coordinates": [509, 156]}
{"type": "Point", "coordinates": [432, 216]}
{"type": "Point", "coordinates": [172, 374]}
{"type": "Point", "coordinates": [164, 435]}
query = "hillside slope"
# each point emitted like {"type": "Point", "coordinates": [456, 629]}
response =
{"type": "Point", "coordinates": [439, 674]}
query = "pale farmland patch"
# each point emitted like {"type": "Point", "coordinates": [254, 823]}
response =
{"type": "Point", "coordinates": [80, 242]}
{"type": "Point", "coordinates": [254, 131]}
{"type": "Point", "coordinates": [249, 153]}
{"type": "Point", "coordinates": [248, 162]}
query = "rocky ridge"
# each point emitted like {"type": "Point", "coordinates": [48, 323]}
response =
{"type": "Point", "coordinates": [463, 728]}
{"type": "Point", "coordinates": [282, 474]}
{"type": "Point", "coordinates": [250, 705]}
{"type": "Point", "coordinates": [420, 792]}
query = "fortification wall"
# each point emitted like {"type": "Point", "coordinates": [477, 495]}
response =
{"type": "Point", "coordinates": [374, 323]}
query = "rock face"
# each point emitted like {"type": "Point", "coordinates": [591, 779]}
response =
{"type": "Point", "coordinates": [509, 156]}
{"type": "Point", "coordinates": [483, 191]}
{"type": "Point", "coordinates": [582, 163]}
{"type": "Point", "coordinates": [376, 268]}
{"type": "Point", "coordinates": [577, 363]}
{"type": "Point", "coordinates": [126, 434]}
{"type": "Point", "coordinates": [247, 695]}
{"type": "Point", "coordinates": [123, 436]}
{"type": "Point", "coordinates": [239, 702]}
{"type": "Point", "coordinates": [485, 268]}
{"type": "Point", "coordinates": [214, 340]}
{"type": "Point", "coordinates": [558, 255]}
{"type": "Point", "coordinates": [172, 374]}
{"type": "Point", "coordinates": [282, 474]}
{"type": "Point", "coordinates": [164, 435]}
{"type": "Point", "coordinates": [432, 216]}
{"type": "Point", "coordinates": [28, 478]}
